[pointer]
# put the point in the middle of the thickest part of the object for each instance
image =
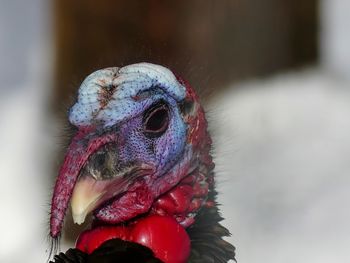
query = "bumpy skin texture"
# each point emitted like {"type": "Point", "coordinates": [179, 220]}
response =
{"type": "Point", "coordinates": [171, 172]}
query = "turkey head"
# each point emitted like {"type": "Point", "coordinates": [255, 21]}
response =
{"type": "Point", "coordinates": [141, 151]}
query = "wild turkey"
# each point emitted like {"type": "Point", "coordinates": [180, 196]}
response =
{"type": "Point", "coordinates": [140, 162]}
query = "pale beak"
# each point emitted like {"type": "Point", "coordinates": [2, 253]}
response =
{"type": "Point", "coordinates": [87, 195]}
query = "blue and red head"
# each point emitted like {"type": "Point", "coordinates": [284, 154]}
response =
{"type": "Point", "coordinates": [141, 137]}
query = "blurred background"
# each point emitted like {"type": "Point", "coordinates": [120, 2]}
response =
{"type": "Point", "coordinates": [274, 77]}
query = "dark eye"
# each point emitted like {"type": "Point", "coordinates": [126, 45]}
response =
{"type": "Point", "coordinates": [156, 120]}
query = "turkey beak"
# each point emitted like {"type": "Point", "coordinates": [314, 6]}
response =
{"type": "Point", "coordinates": [86, 197]}
{"type": "Point", "coordinates": [89, 193]}
{"type": "Point", "coordinates": [98, 181]}
{"type": "Point", "coordinates": [103, 177]}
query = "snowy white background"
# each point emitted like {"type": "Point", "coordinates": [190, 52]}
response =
{"type": "Point", "coordinates": [26, 136]}
{"type": "Point", "coordinates": [282, 145]}
{"type": "Point", "coordinates": [285, 172]}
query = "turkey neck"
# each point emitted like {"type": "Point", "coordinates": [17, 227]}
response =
{"type": "Point", "coordinates": [185, 199]}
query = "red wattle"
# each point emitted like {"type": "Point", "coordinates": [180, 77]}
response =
{"type": "Point", "coordinates": [167, 239]}
{"type": "Point", "coordinates": [89, 240]}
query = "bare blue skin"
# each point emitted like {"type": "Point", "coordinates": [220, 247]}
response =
{"type": "Point", "coordinates": [129, 82]}
{"type": "Point", "coordinates": [137, 87]}
{"type": "Point", "coordinates": [161, 152]}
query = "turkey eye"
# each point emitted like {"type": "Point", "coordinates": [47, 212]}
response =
{"type": "Point", "coordinates": [156, 120]}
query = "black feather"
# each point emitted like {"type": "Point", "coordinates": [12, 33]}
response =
{"type": "Point", "coordinates": [71, 256]}
{"type": "Point", "coordinates": [207, 243]}
{"type": "Point", "coordinates": [111, 251]}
